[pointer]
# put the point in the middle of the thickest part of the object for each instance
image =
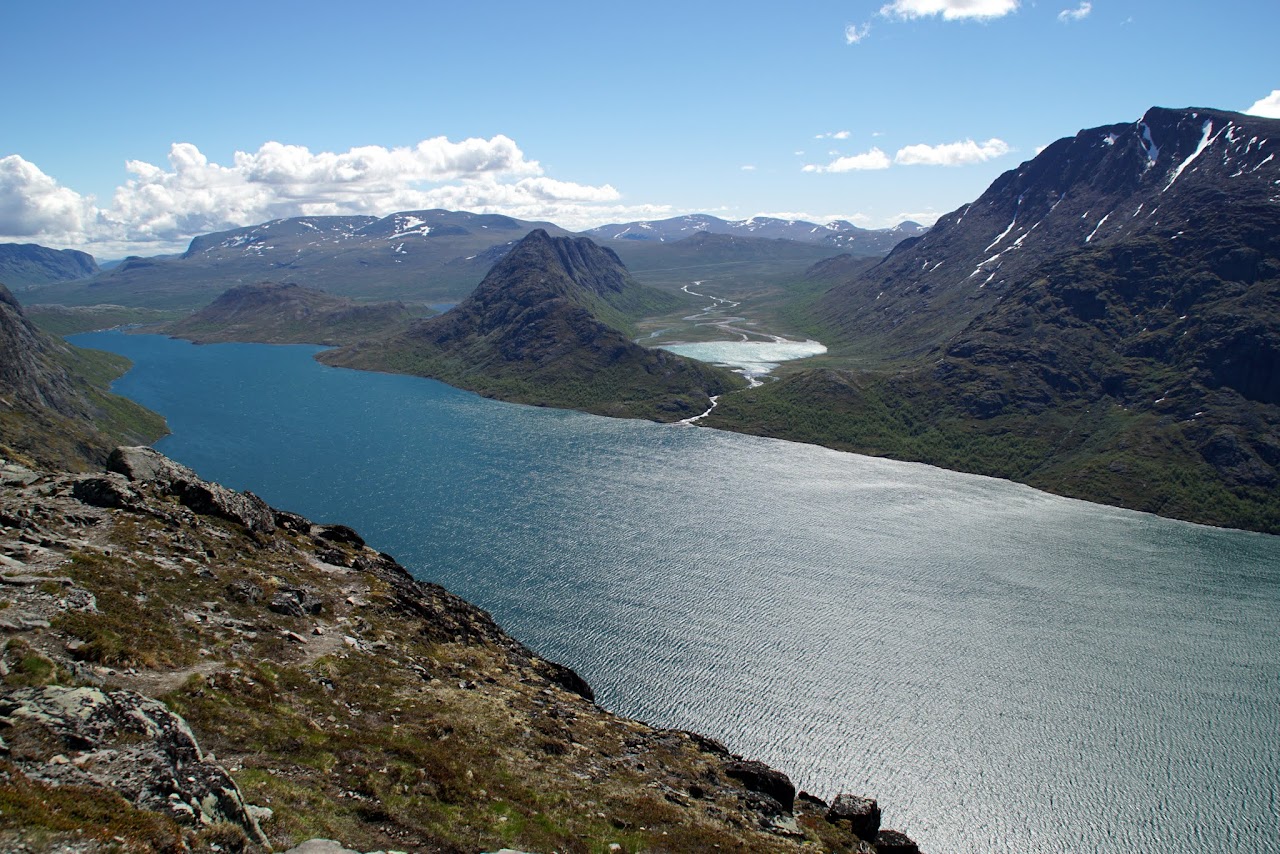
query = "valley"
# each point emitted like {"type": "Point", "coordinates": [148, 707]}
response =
{"type": "Point", "coordinates": [1095, 363]}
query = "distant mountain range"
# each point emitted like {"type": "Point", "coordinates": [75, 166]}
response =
{"type": "Point", "coordinates": [287, 313]}
{"type": "Point", "coordinates": [425, 256]}
{"type": "Point", "coordinates": [1104, 322]}
{"type": "Point", "coordinates": [432, 257]}
{"type": "Point", "coordinates": [551, 325]}
{"type": "Point", "coordinates": [840, 235]}
{"type": "Point", "coordinates": [24, 265]}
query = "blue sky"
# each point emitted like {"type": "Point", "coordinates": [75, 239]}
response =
{"type": "Point", "coordinates": [131, 127]}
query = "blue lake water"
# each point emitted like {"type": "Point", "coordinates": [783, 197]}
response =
{"type": "Point", "coordinates": [1007, 671]}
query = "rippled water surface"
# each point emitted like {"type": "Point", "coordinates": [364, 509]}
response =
{"type": "Point", "coordinates": [752, 358]}
{"type": "Point", "coordinates": [1005, 670]}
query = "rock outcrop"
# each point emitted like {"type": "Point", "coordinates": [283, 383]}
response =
{"type": "Point", "coordinates": [146, 465]}
{"type": "Point", "coordinates": [123, 741]}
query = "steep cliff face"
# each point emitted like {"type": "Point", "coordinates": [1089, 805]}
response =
{"type": "Point", "coordinates": [184, 665]}
{"type": "Point", "coordinates": [53, 405]}
{"type": "Point", "coordinates": [547, 326]}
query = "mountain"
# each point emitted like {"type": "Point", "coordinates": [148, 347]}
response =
{"type": "Point", "coordinates": [422, 256]}
{"type": "Point", "coordinates": [54, 407]}
{"type": "Point", "coordinates": [25, 265]}
{"type": "Point", "coordinates": [1103, 322]}
{"type": "Point", "coordinates": [551, 325]}
{"type": "Point", "coordinates": [840, 235]}
{"type": "Point", "coordinates": [272, 313]}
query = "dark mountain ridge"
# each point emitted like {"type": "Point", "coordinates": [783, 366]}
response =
{"type": "Point", "coordinates": [1103, 322]}
{"type": "Point", "coordinates": [25, 265]}
{"type": "Point", "coordinates": [1169, 175]}
{"type": "Point", "coordinates": [551, 325]}
{"type": "Point", "coordinates": [287, 313]}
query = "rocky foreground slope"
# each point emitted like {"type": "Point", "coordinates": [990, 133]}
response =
{"type": "Point", "coordinates": [185, 667]}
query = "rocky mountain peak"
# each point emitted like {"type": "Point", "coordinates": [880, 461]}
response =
{"type": "Point", "coordinates": [578, 260]}
{"type": "Point", "coordinates": [1173, 175]}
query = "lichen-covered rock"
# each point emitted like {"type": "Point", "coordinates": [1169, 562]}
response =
{"type": "Point", "coordinates": [106, 490]}
{"type": "Point", "coordinates": [760, 778]}
{"type": "Point", "coordinates": [147, 465]}
{"type": "Point", "coordinates": [863, 815]}
{"type": "Point", "coordinates": [895, 842]}
{"type": "Point", "coordinates": [123, 741]}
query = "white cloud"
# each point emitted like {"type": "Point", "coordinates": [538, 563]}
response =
{"type": "Point", "coordinates": [839, 134]}
{"type": "Point", "coordinates": [854, 33]}
{"type": "Point", "coordinates": [159, 209]}
{"type": "Point", "coordinates": [951, 153]}
{"type": "Point", "coordinates": [873, 159]}
{"type": "Point", "coordinates": [32, 204]}
{"type": "Point", "coordinates": [1268, 107]}
{"type": "Point", "coordinates": [1079, 13]}
{"type": "Point", "coordinates": [748, 167]}
{"type": "Point", "coordinates": [950, 10]}
{"type": "Point", "coordinates": [922, 217]}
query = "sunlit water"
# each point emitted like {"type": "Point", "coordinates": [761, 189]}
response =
{"type": "Point", "coordinates": [753, 359]}
{"type": "Point", "coordinates": [1007, 671]}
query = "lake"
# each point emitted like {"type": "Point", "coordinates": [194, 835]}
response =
{"type": "Point", "coordinates": [1006, 670]}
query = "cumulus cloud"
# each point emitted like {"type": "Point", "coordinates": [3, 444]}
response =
{"type": "Point", "coordinates": [928, 217]}
{"type": "Point", "coordinates": [159, 208]}
{"type": "Point", "coordinates": [950, 10]}
{"type": "Point", "coordinates": [854, 33]}
{"type": "Point", "coordinates": [869, 160]}
{"type": "Point", "coordinates": [1268, 107]}
{"type": "Point", "coordinates": [1079, 13]}
{"type": "Point", "coordinates": [839, 134]}
{"type": "Point", "coordinates": [951, 153]}
{"type": "Point", "coordinates": [33, 204]}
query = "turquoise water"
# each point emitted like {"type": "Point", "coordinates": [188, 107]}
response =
{"type": "Point", "coordinates": [1007, 671]}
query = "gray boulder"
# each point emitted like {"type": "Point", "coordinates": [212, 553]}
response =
{"type": "Point", "coordinates": [895, 842]}
{"type": "Point", "coordinates": [862, 814]}
{"type": "Point", "coordinates": [123, 741]}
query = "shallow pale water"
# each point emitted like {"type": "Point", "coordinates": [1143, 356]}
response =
{"type": "Point", "coordinates": [1007, 671]}
{"type": "Point", "coordinates": [751, 358]}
